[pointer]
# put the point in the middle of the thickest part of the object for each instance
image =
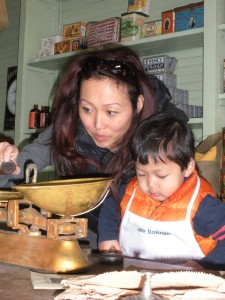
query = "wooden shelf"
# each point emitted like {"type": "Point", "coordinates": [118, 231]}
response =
{"type": "Point", "coordinates": [188, 39]}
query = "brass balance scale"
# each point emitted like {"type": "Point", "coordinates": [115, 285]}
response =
{"type": "Point", "coordinates": [41, 221]}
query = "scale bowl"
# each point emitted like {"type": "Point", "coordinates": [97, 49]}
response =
{"type": "Point", "coordinates": [71, 197]}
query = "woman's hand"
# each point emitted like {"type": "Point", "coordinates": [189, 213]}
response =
{"type": "Point", "coordinates": [108, 245]}
{"type": "Point", "coordinates": [9, 152]}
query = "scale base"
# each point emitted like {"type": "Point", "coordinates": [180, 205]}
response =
{"type": "Point", "coordinates": [42, 254]}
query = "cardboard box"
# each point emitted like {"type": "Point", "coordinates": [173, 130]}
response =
{"type": "Point", "coordinates": [131, 26]}
{"type": "Point", "coordinates": [103, 32]}
{"type": "Point", "coordinates": [78, 44]}
{"type": "Point", "coordinates": [74, 31]}
{"type": "Point", "coordinates": [189, 17]}
{"type": "Point", "coordinates": [156, 64]}
{"type": "Point", "coordinates": [151, 29]}
{"type": "Point", "coordinates": [62, 47]}
{"type": "Point", "coordinates": [139, 6]}
{"type": "Point", "coordinates": [168, 21]}
{"type": "Point", "coordinates": [47, 45]}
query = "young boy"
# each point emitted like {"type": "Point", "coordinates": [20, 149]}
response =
{"type": "Point", "coordinates": [168, 212]}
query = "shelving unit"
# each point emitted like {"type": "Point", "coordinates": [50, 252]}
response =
{"type": "Point", "coordinates": [199, 54]}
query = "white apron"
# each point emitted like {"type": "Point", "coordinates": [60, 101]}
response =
{"type": "Point", "coordinates": [159, 240]}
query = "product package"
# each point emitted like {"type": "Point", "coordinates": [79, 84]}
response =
{"type": "Point", "coordinates": [77, 44]}
{"type": "Point", "coordinates": [131, 26]}
{"type": "Point", "coordinates": [149, 29]}
{"type": "Point", "coordinates": [62, 47]}
{"type": "Point", "coordinates": [189, 17]}
{"type": "Point", "coordinates": [157, 64]}
{"type": "Point", "coordinates": [168, 21]}
{"type": "Point", "coordinates": [47, 45]}
{"type": "Point", "coordinates": [142, 6]}
{"type": "Point", "coordinates": [103, 32]}
{"type": "Point", "coordinates": [74, 30]}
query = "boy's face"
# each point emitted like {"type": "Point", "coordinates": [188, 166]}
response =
{"type": "Point", "coordinates": [161, 179]}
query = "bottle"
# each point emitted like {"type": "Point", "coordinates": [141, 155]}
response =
{"type": "Point", "coordinates": [34, 118]}
{"type": "Point", "coordinates": [48, 117]}
{"type": "Point", "coordinates": [43, 117]}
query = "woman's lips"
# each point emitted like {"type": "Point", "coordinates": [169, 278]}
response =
{"type": "Point", "coordinates": [100, 138]}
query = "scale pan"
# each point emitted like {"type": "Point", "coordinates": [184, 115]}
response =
{"type": "Point", "coordinates": [70, 197]}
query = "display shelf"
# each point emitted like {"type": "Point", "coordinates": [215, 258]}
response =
{"type": "Point", "coordinates": [148, 46]}
{"type": "Point", "coordinates": [196, 121]}
{"type": "Point", "coordinates": [221, 96]}
{"type": "Point", "coordinates": [198, 51]}
{"type": "Point", "coordinates": [222, 27]}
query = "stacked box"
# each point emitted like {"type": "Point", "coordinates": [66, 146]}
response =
{"type": "Point", "coordinates": [168, 21]}
{"type": "Point", "coordinates": [163, 68]}
{"type": "Point", "coordinates": [74, 30]}
{"type": "Point", "coordinates": [173, 64]}
{"type": "Point", "coordinates": [192, 111]}
{"type": "Point", "coordinates": [47, 45]}
{"type": "Point", "coordinates": [131, 26]}
{"type": "Point", "coordinates": [151, 29]}
{"type": "Point", "coordinates": [77, 44]}
{"type": "Point", "coordinates": [62, 47]}
{"type": "Point", "coordinates": [179, 96]}
{"type": "Point", "coordinates": [157, 64]}
{"type": "Point", "coordinates": [170, 80]}
{"type": "Point", "coordinates": [103, 32]}
{"type": "Point", "coordinates": [70, 45]}
{"type": "Point", "coordinates": [139, 6]}
{"type": "Point", "coordinates": [189, 17]}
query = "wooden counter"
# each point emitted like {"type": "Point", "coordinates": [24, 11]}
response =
{"type": "Point", "coordinates": [15, 281]}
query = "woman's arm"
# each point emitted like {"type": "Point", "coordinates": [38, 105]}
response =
{"type": "Point", "coordinates": [109, 217]}
{"type": "Point", "coordinates": [38, 152]}
{"type": "Point", "coordinates": [210, 221]}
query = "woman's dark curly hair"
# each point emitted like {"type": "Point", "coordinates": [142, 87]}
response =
{"type": "Point", "coordinates": [66, 114]}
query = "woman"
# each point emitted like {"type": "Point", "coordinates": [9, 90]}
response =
{"type": "Point", "coordinates": [101, 99]}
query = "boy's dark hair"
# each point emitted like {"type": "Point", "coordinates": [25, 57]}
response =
{"type": "Point", "coordinates": [162, 136]}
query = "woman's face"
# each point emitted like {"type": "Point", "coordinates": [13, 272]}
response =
{"type": "Point", "coordinates": [105, 111]}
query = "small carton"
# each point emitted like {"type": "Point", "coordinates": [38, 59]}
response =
{"type": "Point", "coordinates": [189, 17]}
{"type": "Point", "coordinates": [131, 26]}
{"type": "Point", "coordinates": [77, 44]}
{"type": "Point", "coordinates": [62, 47]}
{"type": "Point", "coordinates": [103, 32]}
{"type": "Point", "coordinates": [74, 31]}
{"type": "Point", "coordinates": [151, 29]}
{"type": "Point", "coordinates": [142, 6]}
{"type": "Point", "coordinates": [47, 45]}
{"type": "Point", "coordinates": [168, 21]}
{"type": "Point", "coordinates": [156, 64]}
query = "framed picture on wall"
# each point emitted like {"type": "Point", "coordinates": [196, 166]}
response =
{"type": "Point", "coordinates": [10, 107]}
